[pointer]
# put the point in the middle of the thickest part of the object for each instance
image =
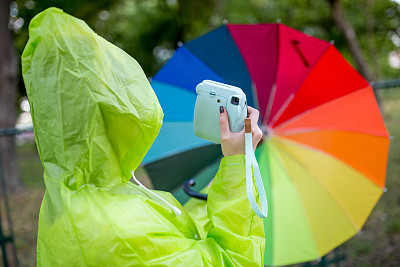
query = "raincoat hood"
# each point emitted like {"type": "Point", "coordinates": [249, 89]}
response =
{"type": "Point", "coordinates": [95, 116]}
{"type": "Point", "coordinates": [94, 112]}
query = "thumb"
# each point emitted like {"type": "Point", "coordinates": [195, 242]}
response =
{"type": "Point", "coordinates": [223, 122]}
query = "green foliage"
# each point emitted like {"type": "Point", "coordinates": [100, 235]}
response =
{"type": "Point", "coordinates": [139, 27]}
{"type": "Point", "coordinates": [26, 9]}
{"type": "Point", "coordinates": [144, 28]}
{"type": "Point", "coordinates": [150, 30]}
{"type": "Point", "coordinates": [314, 18]}
{"type": "Point", "coordinates": [385, 16]}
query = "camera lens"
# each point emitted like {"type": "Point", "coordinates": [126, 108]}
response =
{"type": "Point", "coordinates": [235, 100]}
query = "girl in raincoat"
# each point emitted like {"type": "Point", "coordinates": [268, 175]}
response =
{"type": "Point", "coordinates": [95, 116]}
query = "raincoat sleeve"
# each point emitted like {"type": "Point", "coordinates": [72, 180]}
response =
{"type": "Point", "coordinates": [235, 228]}
{"type": "Point", "coordinates": [235, 236]}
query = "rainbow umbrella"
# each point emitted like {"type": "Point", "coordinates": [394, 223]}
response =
{"type": "Point", "coordinates": [324, 154]}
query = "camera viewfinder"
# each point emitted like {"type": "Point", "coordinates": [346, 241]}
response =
{"type": "Point", "coordinates": [235, 100]}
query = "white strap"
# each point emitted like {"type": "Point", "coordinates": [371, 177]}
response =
{"type": "Point", "coordinates": [174, 208]}
{"type": "Point", "coordinates": [252, 162]}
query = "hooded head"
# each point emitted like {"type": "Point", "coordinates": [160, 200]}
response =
{"type": "Point", "coordinates": [94, 112]}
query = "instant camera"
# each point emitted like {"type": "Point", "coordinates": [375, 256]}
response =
{"type": "Point", "coordinates": [210, 96]}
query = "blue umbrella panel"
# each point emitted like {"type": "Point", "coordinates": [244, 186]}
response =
{"type": "Point", "coordinates": [177, 154]}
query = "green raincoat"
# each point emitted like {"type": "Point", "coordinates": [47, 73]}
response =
{"type": "Point", "coordinates": [95, 116]}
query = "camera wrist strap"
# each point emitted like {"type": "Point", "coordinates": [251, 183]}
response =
{"type": "Point", "coordinates": [252, 167]}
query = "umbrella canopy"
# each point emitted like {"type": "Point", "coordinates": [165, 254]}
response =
{"type": "Point", "coordinates": [324, 154]}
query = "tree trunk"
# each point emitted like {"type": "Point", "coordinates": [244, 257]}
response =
{"type": "Point", "coordinates": [370, 22]}
{"type": "Point", "coordinates": [351, 38]}
{"type": "Point", "coordinates": [352, 42]}
{"type": "Point", "coordinates": [8, 99]}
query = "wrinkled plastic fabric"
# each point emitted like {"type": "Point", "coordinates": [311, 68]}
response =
{"type": "Point", "coordinates": [95, 116]}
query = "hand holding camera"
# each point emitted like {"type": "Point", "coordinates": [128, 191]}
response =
{"type": "Point", "coordinates": [227, 128]}
{"type": "Point", "coordinates": [234, 143]}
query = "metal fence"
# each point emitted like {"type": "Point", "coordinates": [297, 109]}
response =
{"type": "Point", "coordinates": [386, 84]}
{"type": "Point", "coordinates": [7, 243]}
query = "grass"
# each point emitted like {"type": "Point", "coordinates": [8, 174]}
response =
{"type": "Point", "coordinates": [379, 242]}
{"type": "Point", "coordinates": [377, 245]}
{"type": "Point", "coordinates": [25, 205]}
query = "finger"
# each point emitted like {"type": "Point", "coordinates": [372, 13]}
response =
{"type": "Point", "coordinates": [253, 115]}
{"type": "Point", "coordinates": [257, 136]}
{"type": "Point", "coordinates": [251, 110]}
{"type": "Point", "coordinates": [224, 123]}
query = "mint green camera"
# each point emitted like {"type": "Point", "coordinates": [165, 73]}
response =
{"type": "Point", "coordinates": [210, 96]}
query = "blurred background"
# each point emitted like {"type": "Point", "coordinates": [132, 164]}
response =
{"type": "Point", "coordinates": [366, 32]}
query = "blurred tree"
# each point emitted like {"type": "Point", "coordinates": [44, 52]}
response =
{"type": "Point", "coordinates": [13, 15]}
{"type": "Point", "coordinates": [8, 99]}
{"type": "Point", "coordinates": [151, 30]}
{"type": "Point", "coordinates": [351, 39]}
{"type": "Point", "coordinates": [375, 23]}
{"type": "Point", "coordinates": [370, 34]}
{"type": "Point", "coordinates": [25, 10]}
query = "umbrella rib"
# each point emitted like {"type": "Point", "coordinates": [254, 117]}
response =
{"type": "Point", "coordinates": [270, 103]}
{"type": "Point", "coordinates": [255, 95]}
{"type": "Point", "coordinates": [301, 202]}
{"type": "Point", "coordinates": [286, 104]}
{"type": "Point", "coordinates": [305, 130]}
{"type": "Point", "coordinates": [324, 186]}
{"type": "Point", "coordinates": [282, 109]}
{"type": "Point", "coordinates": [274, 86]}
{"type": "Point", "coordinates": [293, 94]}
